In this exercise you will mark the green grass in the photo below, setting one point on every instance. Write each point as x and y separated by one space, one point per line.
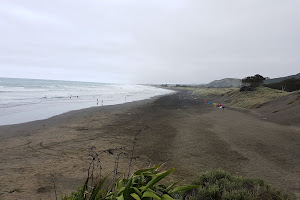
221 185
208 91
254 99
237 99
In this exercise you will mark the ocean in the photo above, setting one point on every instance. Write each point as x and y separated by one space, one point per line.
25 100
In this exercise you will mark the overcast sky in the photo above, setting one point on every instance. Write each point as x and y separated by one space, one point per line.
155 41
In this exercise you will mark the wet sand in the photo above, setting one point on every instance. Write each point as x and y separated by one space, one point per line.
183 133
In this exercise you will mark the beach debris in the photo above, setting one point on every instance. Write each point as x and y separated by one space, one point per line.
110 151
14 190
217 105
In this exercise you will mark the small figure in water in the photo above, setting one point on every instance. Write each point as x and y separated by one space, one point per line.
102 103
125 99
97 102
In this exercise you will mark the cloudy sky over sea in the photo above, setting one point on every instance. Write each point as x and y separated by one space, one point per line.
155 41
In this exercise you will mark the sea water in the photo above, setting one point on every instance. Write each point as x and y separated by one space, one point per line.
24 100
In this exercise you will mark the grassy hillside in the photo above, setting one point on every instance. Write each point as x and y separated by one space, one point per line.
253 99
289 85
209 91
232 97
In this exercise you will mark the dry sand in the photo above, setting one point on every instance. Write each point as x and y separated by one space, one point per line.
185 133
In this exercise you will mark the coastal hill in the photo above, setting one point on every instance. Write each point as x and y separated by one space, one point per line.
234 82
276 80
226 82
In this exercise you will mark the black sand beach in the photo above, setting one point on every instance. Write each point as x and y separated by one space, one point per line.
183 133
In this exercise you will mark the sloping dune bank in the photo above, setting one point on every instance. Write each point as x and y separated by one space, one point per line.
178 130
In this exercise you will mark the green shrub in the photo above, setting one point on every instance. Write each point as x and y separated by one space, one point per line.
288 85
142 185
221 185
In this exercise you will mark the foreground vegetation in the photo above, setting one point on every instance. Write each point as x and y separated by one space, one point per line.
224 186
143 184
146 184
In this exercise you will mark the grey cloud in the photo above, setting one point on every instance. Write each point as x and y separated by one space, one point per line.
149 41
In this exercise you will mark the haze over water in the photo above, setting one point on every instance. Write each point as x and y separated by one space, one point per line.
24 100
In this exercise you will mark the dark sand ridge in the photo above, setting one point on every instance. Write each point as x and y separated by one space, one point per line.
186 134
